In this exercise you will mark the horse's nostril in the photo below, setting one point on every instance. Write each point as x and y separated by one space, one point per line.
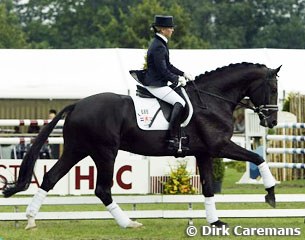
274 123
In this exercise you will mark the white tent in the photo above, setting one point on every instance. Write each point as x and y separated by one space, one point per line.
77 73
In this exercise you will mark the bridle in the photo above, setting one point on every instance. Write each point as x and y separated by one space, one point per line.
264 111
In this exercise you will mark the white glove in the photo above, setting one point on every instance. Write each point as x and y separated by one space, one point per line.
182 81
188 76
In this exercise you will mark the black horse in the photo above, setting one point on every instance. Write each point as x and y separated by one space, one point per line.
100 125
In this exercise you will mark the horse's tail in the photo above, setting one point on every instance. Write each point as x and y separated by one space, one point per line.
29 160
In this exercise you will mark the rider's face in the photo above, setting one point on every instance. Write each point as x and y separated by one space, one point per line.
167 32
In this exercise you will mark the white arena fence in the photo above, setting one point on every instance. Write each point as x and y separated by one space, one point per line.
28 140
283 150
256 135
189 212
287 138
27 122
254 130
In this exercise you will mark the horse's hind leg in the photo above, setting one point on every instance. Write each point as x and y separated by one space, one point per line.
104 159
205 167
61 168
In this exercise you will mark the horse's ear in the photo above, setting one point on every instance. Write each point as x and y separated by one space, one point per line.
275 71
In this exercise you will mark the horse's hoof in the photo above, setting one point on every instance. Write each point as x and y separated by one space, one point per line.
219 224
31 224
134 224
270 199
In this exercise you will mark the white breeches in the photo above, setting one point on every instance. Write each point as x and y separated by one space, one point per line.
166 94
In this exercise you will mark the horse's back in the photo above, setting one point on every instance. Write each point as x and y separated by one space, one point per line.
100 114
100 105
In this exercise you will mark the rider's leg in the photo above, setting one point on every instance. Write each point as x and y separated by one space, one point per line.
168 95
174 123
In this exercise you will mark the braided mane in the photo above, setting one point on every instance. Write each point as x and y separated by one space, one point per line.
228 67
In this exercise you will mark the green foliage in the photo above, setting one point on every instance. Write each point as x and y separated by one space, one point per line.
237 165
11 34
179 181
286 105
126 23
218 169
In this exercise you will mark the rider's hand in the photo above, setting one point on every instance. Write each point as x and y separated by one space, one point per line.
182 81
188 76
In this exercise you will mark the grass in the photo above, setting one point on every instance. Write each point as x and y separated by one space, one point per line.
161 228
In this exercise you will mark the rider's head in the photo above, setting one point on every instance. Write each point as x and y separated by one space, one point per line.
164 25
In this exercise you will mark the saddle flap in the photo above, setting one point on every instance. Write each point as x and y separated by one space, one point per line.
143 92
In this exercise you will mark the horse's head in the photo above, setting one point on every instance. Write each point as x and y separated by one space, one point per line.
264 96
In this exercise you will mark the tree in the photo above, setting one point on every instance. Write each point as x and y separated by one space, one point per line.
11 34
250 24
284 27
139 19
126 23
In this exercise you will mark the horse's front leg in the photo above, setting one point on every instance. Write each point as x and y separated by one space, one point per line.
205 166
233 151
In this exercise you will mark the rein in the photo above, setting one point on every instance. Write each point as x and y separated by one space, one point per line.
259 110
221 98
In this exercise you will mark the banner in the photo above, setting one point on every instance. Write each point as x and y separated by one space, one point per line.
131 175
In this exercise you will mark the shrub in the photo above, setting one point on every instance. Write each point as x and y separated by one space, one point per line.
179 181
218 169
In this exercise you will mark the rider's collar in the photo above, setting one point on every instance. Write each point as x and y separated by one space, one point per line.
162 36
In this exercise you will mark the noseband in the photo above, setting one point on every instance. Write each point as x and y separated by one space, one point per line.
266 110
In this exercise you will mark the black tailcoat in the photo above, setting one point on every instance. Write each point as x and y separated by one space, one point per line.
159 69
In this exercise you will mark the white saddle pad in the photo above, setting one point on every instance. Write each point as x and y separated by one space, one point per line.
146 110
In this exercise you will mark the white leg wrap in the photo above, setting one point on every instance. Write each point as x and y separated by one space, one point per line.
120 217
210 209
268 179
37 200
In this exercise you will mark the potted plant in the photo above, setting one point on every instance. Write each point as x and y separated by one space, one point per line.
179 181
218 174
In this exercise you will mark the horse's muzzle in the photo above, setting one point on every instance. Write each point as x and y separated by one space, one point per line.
268 118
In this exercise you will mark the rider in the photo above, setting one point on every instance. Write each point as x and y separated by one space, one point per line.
160 71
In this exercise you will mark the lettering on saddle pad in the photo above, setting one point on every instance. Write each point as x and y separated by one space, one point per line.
148 114
153 114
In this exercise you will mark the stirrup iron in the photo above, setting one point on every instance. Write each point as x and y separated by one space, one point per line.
180 144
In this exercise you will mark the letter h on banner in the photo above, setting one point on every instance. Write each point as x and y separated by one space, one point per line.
79 177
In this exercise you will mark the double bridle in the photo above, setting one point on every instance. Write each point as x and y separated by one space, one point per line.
264 111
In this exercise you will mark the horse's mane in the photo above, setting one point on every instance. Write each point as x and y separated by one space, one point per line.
228 67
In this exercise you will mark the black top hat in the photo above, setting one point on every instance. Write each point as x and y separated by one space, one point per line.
163 21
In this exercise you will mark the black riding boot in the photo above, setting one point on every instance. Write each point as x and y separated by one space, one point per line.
174 126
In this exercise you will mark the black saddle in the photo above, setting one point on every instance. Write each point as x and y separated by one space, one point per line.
166 108
143 92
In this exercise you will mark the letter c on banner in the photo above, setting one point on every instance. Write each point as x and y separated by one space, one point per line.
3 179
119 177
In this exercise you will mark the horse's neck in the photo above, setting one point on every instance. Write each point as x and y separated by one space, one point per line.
230 89
231 85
